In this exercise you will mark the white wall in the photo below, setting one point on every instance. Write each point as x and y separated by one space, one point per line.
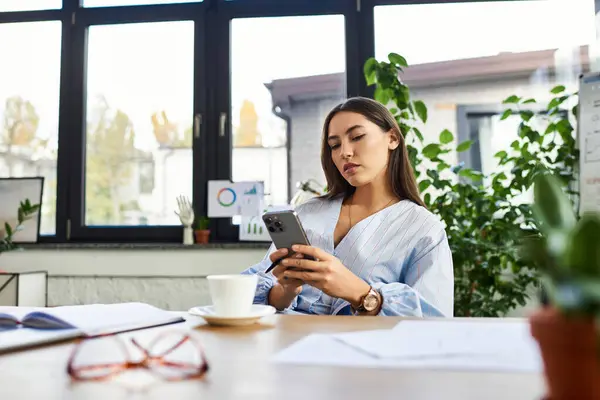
171 279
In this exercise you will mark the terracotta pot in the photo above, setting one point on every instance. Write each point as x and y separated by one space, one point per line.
570 353
202 236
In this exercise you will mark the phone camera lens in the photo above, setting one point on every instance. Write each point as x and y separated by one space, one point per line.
271 229
278 224
268 220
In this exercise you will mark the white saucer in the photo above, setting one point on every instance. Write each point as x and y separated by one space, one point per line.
257 312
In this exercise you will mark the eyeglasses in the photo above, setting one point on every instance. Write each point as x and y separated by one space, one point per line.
173 356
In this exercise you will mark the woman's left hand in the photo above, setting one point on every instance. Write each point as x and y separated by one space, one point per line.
326 273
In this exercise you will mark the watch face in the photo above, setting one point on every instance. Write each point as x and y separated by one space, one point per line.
371 302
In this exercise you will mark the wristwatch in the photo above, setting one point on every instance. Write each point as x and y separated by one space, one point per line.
369 302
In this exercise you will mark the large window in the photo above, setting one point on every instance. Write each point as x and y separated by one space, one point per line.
125 105
29 94
287 73
139 120
468 54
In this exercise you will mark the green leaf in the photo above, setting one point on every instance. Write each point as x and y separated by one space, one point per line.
511 99
442 166
583 252
558 89
507 113
421 110
427 198
431 150
501 154
398 59
470 173
554 211
526 115
370 71
381 95
423 185
466 145
7 229
418 134
528 101
446 136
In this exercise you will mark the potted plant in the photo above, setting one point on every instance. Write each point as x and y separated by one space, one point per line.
566 328
201 230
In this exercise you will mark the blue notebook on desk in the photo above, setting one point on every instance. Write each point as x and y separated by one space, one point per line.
27 326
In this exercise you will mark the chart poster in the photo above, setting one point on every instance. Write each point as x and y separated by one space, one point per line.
229 199
589 142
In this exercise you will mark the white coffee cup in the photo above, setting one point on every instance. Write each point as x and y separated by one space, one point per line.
232 295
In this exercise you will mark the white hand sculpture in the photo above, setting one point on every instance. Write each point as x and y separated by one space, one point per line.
186 216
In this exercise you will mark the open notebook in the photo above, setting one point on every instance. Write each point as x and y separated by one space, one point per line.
26 326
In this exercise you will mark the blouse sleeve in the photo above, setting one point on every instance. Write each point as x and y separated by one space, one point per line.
428 283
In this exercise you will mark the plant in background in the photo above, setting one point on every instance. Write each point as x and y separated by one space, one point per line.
25 212
483 216
202 223
201 229
568 253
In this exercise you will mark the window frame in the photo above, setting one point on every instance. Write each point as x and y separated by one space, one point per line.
76 230
211 152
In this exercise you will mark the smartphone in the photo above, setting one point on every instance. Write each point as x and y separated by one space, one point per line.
285 230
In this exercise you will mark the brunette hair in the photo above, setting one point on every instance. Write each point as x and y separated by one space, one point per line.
399 171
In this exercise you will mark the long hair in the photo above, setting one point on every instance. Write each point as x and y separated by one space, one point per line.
400 172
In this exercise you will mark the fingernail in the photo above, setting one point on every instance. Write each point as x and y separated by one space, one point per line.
284 251
295 247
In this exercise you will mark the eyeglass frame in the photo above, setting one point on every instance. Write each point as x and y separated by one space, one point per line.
145 363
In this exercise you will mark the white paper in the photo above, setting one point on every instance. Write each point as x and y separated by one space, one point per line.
588 129
493 347
430 338
228 199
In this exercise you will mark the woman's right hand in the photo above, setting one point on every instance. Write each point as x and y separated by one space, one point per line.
282 294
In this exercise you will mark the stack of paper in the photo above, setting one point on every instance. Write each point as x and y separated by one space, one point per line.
497 346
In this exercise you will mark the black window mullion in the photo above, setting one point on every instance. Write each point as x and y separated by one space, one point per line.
364 40
30 16
75 132
65 148
200 152
224 230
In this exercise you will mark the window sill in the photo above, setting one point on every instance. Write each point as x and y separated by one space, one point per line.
144 246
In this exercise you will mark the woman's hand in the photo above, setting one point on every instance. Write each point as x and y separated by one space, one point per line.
286 290
326 273
289 285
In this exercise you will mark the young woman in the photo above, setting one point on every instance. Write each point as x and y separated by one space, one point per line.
378 250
